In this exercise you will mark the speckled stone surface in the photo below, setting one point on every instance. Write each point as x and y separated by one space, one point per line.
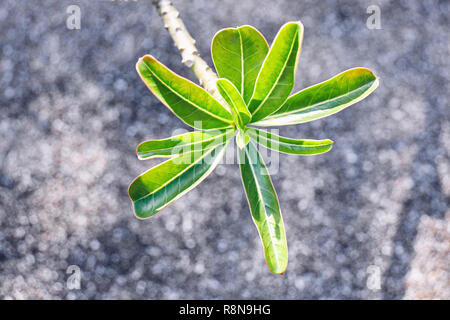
368 220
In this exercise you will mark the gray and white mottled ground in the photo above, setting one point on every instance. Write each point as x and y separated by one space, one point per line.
373 211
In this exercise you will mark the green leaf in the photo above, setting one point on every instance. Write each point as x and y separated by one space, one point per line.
163 184
276 79
265 208
238 54
324 99
286 145
242 139
231 95
192 104
177 145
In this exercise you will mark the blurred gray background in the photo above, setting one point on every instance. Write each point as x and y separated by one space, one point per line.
368 220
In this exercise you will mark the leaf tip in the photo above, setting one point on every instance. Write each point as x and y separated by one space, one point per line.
130 189
138 214
147 57
362 70
279 269
137 150
298 23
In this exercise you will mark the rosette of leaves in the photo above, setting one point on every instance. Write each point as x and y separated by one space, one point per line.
256 83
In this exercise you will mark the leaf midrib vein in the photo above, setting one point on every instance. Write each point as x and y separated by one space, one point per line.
279 115
260 200
280 142
278 77
180 173
186 99
186 144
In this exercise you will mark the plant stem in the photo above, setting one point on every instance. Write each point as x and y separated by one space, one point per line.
186 44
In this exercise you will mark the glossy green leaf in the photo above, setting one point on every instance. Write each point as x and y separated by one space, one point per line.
242 139
276 79
287 145
183 143
324 99
238 54
192 104
163 184
231 95
264 207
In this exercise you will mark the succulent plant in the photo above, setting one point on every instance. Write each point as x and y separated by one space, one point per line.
256 84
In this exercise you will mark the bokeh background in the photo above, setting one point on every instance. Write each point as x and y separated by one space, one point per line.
374 210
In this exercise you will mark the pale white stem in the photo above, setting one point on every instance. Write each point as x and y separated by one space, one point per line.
186 45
